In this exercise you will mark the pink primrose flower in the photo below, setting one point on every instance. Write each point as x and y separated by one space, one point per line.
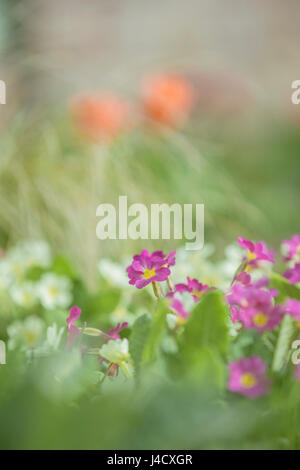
293 274
256 251
291 248
247 376
146 268
113 333
194 287
73 331
292 307
254 307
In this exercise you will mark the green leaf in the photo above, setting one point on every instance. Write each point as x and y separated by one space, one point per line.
285 288
242 344
103 302
206 326
205 336
210 367
281 353
63 267
139 334
35 273
156 332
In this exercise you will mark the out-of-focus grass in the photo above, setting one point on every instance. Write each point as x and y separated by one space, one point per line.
51 184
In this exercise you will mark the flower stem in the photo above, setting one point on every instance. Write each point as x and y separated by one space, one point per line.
242 267
170 284
155 289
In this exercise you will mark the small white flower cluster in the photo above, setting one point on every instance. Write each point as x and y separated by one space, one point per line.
50 290
54 291
216 274
25 334
117 352
28 335
115 275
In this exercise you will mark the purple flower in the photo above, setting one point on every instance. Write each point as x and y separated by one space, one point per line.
243 278
179 309
113 333
246 280
146 268
73 331
247 376
291 248
293 274
256 251
254 307
249 296
194 287
234 314
292 307
184 296
261 320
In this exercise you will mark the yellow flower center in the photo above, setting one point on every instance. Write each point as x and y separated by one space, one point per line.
180 320
244 303
197 294
53 291
30 336
248 380
27 298
16 268
298 250
148 273
251 256
249 268
260 319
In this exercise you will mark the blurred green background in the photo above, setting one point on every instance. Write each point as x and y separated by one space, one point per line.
238 153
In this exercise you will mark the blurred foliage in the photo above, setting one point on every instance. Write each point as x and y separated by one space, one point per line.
51 184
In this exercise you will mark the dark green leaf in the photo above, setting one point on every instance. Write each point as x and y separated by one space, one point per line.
156 332
139 334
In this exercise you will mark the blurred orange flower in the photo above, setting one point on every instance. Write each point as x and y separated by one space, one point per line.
100 117
167 99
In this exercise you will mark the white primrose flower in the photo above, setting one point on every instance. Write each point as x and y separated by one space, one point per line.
195 265
114 273
24 294
25 334
32 253
22 257
120 315
233 257
54 336
17 267
233 328
54 291
117 352
53 339
171 320
6 277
